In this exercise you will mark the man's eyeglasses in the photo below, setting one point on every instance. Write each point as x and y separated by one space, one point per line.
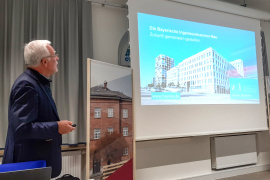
52 56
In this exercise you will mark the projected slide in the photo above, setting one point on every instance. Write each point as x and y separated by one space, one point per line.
183 62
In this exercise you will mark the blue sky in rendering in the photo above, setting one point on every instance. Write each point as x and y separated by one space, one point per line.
230 43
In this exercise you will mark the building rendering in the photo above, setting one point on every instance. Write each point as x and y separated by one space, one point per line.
173 77
239 65
206 72
163 64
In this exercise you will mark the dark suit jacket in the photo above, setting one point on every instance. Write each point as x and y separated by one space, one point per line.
33 129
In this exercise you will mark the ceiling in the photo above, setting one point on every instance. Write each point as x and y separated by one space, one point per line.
263 5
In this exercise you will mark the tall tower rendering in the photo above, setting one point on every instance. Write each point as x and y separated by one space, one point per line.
163 64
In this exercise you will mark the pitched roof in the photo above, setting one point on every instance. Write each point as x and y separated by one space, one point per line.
100 92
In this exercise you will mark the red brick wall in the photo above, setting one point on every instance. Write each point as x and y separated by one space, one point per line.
129 140
115 122
127 122
104 122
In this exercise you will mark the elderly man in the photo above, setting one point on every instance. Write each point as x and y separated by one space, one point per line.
35 131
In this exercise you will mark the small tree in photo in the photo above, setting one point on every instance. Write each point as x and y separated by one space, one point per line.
111 147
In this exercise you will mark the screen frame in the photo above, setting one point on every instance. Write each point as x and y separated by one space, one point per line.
149 127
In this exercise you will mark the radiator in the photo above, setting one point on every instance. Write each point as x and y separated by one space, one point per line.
71 164
233 151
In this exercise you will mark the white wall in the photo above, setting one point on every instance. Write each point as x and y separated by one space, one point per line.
109 26
172 158
190 158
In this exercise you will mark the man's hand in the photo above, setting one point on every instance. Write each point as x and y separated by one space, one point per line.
64 127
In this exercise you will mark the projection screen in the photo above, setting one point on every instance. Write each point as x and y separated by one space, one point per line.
196 71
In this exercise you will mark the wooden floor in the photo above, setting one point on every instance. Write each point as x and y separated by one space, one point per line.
263 175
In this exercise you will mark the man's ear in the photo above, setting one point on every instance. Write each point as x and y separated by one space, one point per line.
44 62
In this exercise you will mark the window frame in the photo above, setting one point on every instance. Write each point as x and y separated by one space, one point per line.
110 113
125 153
109 131
125 131
97 133
125 113
97 114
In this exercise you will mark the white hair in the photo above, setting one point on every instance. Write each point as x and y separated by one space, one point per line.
34 51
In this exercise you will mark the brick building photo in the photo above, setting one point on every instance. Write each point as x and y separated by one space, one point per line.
111 127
